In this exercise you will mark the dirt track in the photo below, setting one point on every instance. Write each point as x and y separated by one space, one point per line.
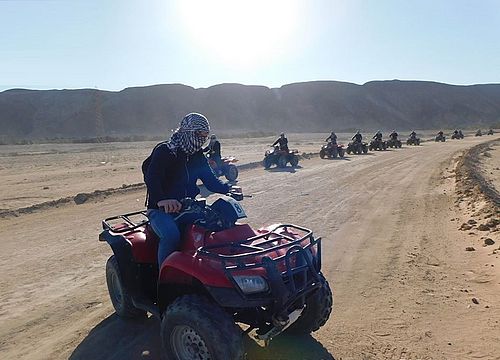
392 251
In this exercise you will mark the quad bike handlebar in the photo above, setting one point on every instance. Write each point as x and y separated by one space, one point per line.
193 211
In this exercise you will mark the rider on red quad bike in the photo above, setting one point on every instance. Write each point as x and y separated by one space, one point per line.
171 174
222 273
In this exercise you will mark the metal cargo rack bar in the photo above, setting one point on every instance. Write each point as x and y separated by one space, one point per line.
106 225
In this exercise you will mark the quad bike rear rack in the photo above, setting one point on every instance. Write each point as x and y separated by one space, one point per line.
109 224
285 287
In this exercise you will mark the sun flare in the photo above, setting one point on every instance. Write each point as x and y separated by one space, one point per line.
240 33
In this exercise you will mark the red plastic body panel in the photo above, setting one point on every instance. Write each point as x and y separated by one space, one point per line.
144 243
184 265
181 267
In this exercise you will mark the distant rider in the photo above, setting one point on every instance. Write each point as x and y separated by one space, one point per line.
283 142
413 135
332 138
378 136
460 133
171 175
357 137
213 151
394 135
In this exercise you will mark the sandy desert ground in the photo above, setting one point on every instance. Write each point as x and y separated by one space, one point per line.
393 251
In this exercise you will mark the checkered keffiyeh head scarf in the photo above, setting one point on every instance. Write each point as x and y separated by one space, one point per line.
186 137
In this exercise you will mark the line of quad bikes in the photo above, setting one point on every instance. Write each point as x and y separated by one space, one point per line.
280 158
224 275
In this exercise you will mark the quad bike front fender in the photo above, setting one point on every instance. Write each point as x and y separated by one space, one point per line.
181 268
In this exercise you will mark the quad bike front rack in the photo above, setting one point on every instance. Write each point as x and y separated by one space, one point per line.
300 264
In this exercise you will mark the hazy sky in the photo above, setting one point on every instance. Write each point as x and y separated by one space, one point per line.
120 43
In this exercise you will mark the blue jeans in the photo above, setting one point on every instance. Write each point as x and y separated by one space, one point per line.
166 229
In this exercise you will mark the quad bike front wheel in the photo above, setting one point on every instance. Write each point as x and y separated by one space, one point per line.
317 310
193 327
341 152
267 162
294 161
231 173
122 301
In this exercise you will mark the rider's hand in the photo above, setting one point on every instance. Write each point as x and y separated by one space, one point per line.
236 189
170 205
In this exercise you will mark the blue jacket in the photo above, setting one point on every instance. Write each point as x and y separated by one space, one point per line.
173 175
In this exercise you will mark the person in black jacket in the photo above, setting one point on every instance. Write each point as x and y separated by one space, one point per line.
171 175
357 137
332 138
213 151
394 135
282 141
378 136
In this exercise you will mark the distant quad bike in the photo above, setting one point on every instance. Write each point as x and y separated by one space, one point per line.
228 169
223 273
331 150
394 143
377 145
457 136
479 133
440 137
490 132
280 158
357 148
413 141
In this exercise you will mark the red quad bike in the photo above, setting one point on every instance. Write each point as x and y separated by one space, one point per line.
280 158
223 273
228 168
331 150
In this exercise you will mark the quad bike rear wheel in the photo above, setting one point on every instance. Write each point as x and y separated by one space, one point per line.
122 301
322 154
294 161
193 327
231 172
282 160
365 149
317 310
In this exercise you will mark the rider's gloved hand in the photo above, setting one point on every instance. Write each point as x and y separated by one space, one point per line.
236 192
169 205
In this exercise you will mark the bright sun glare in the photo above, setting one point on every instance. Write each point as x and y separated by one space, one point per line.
240 33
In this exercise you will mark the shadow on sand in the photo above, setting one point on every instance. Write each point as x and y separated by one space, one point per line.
288 169
118 339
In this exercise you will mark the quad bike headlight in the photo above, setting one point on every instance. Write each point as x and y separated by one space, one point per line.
251 284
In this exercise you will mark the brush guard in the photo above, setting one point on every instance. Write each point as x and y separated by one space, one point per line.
291 276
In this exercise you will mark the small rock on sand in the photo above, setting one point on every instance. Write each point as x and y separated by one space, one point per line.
80 198
465 226
489 241
483 227
470 248
475 301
